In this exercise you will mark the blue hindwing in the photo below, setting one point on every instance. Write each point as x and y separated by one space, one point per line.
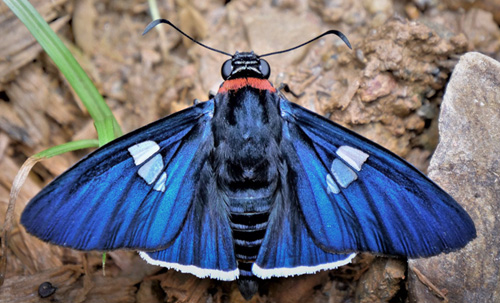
357 196
288 248
204 246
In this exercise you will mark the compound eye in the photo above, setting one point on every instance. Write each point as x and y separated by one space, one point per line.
227 69
264 68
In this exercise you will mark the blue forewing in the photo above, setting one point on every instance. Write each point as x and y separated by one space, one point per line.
358 196
134 192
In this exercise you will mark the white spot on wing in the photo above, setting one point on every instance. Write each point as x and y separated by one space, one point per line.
194 270
142 151
264 273
331 185
160 184
343 174
354 157
151 169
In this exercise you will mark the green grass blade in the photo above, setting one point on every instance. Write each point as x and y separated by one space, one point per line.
66 147
105 123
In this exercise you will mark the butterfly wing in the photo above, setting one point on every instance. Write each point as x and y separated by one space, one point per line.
201 257
357 196
134 192
204 246
288 248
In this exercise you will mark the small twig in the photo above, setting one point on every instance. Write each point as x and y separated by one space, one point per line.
423 279
19 180
155 14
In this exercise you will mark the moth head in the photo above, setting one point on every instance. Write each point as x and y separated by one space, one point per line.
243 65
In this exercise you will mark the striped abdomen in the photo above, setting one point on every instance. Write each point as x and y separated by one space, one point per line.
249 219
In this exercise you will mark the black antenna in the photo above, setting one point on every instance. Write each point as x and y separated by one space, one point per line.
158 21
330 32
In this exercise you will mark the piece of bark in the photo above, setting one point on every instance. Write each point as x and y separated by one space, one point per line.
184 287
297 289
25 289
18 46
24 117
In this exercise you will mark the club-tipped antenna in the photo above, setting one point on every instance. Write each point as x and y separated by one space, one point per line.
158 21
330 32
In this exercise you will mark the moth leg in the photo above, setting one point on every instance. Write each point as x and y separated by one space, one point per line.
211 94
285 87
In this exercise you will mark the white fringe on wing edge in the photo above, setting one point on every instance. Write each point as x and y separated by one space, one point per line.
264 273
191 269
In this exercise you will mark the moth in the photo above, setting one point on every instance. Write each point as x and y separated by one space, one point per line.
247 186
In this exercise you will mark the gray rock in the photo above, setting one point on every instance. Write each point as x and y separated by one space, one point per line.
467 165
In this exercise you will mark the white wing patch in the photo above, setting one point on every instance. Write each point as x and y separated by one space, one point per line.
151 169
146 156
160 184
331 185
354 157
264 273
142 151
194 270
343 174
344 168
